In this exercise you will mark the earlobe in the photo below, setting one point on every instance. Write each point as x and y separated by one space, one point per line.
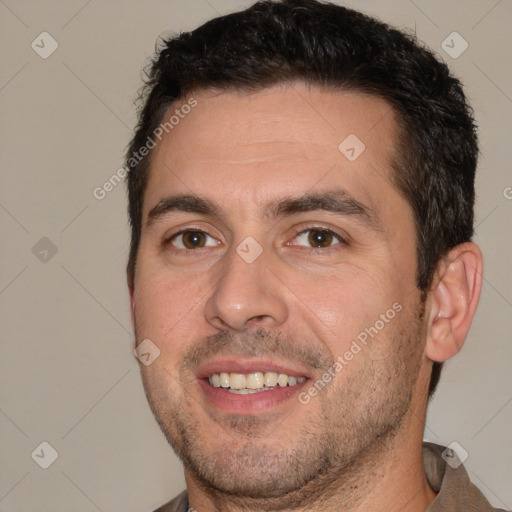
454 299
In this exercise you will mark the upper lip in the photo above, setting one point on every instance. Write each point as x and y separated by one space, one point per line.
248 365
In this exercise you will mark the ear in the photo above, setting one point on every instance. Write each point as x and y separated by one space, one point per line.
454 298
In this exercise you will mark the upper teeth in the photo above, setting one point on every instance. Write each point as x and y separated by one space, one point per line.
256 380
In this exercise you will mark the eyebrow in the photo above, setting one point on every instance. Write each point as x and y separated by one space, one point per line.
335 201
183 203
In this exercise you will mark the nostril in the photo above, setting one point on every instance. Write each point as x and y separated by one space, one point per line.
258 318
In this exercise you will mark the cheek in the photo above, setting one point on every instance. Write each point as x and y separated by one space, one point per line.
341 305
167 307
343 298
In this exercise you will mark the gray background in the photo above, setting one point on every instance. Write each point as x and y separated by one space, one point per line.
68 376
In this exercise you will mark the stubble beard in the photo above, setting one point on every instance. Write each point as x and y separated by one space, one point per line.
340 445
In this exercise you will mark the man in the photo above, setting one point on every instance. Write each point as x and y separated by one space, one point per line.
301 195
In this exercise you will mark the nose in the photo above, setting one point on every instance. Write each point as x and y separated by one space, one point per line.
246 295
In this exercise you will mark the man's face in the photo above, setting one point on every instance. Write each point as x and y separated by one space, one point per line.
296 250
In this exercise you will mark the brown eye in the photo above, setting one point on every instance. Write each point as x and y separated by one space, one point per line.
192 239
320 239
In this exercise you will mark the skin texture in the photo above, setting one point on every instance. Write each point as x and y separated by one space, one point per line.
356 445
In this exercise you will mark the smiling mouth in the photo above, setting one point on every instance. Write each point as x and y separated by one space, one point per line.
256 382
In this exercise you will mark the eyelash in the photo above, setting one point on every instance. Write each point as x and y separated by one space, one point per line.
168 241
340 240
338 237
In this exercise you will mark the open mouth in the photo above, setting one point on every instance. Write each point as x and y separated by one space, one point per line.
255 382
249 386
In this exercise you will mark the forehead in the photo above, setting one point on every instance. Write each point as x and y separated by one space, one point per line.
249 147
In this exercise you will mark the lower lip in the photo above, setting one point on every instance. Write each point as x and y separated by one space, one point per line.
251 403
